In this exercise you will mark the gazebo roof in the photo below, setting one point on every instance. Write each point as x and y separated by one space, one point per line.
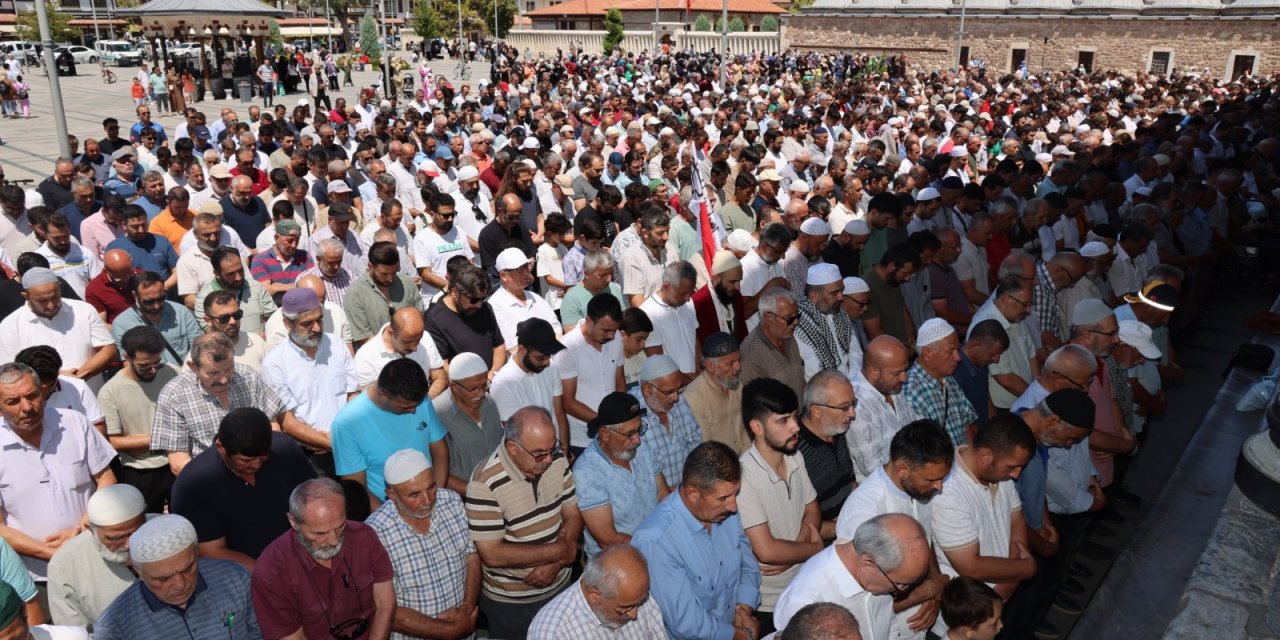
203 7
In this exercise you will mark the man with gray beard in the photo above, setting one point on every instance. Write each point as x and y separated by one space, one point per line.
825 334
827 410
91 569
312 373
715 396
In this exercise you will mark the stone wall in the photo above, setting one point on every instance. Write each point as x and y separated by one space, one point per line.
1123 43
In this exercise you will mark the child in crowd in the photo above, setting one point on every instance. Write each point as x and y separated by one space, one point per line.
23 92
636 327
139 93
971 610
550 259
590 233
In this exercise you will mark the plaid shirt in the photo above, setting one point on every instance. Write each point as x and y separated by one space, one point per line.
1044 303
268 269
334 290
187 416
431 569
944 402
670 447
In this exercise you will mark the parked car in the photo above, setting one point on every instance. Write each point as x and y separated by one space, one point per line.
118 53
82 55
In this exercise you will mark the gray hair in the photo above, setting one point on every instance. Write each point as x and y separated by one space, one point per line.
769 299
597 260
1069 354
514 428
329 245
312 490
298 183
12 372
874 539
817 391
1011 266
679 271
604 576
1003 205
152 176
385 180
1141 212
81 181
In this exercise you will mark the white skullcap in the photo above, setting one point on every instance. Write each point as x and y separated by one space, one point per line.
857 227
821 274
37 276
959 152
667 131
403 465
799 186
854 285
115 504
724 261
815 227
161 538
468 173
1089 312
1044 157
1094 249
740 240
933 330
928 193
33 198
466 364
657 366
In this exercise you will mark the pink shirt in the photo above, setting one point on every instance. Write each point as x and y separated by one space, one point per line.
96 233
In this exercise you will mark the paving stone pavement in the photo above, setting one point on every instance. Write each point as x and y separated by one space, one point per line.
29 145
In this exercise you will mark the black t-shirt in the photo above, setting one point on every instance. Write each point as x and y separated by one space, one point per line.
55 195
248 222
221 505
493 239
454 334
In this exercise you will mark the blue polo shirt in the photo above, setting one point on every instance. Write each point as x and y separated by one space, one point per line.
153 253
973 382
364 436
631 493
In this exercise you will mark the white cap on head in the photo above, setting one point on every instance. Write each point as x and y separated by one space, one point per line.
115 504
468 173
32 198
854 285
1094 249
857 227
1138 336
161 538
657 366
740 240
821 274
798 186
465 365
510 258
403 466
959 152
815 227
933 330
928 193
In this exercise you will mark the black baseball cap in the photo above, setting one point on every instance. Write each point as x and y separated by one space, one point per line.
616 408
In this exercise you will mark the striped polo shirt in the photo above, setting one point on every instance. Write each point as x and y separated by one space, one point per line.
504 505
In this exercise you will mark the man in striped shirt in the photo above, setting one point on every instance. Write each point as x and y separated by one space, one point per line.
525 523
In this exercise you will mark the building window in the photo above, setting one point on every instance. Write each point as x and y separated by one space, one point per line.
568 25
964 57
1084 60
529 6
1160 62
1016 58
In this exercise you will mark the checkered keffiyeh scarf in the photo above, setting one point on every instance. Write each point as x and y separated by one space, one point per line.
831 349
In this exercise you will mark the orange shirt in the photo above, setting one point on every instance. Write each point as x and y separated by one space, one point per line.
164 224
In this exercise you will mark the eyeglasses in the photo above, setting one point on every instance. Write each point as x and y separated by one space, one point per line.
1109 334
790 320
483 386
445 216
228 317
861 303
634 434
1077 385
898 589
549 454
842 408
663 392
1025 305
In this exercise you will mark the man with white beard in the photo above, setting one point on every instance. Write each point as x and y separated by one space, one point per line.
91 569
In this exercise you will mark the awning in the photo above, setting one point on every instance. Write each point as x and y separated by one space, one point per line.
307 32
214 8
101 22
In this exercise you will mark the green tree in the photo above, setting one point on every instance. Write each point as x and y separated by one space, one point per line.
736 25
506 15
612 30
28 27
273 35
341 11
703 23
370 40
769 23
429 21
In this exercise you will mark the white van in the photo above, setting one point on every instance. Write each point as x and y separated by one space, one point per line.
118 53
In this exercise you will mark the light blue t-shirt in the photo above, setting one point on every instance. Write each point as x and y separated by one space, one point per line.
15 573
364 436
632 493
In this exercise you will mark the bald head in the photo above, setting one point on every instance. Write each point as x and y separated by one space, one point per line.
407 321
511 203
618 569
1072 361
118 262
1066 268
885 352
314 283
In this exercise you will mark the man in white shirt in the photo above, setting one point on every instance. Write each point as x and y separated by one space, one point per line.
590 366
976 521
513 303
73 327
66 258
972 268
882 409
436 243
401 338
920 457
529 378
762 268
826 336
675 323
858 574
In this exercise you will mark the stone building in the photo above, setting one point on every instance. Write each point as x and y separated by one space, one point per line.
1222 37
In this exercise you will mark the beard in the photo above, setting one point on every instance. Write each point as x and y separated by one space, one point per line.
786 447
206 247
530 366
305 341
323 551
421 514
921 497
118 557
726 298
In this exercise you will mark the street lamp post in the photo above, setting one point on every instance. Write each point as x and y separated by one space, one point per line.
724 45
960 36
55 86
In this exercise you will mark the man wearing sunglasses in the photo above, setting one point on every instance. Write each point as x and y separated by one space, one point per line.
436 243
920 458
770 350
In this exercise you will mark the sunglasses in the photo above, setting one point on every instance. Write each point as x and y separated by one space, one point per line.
228 317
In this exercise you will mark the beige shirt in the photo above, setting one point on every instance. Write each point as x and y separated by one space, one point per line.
720 416
778 503
82 584
129 407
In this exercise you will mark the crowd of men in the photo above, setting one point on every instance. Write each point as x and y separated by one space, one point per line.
819 354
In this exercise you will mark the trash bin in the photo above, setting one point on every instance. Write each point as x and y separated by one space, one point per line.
245 88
